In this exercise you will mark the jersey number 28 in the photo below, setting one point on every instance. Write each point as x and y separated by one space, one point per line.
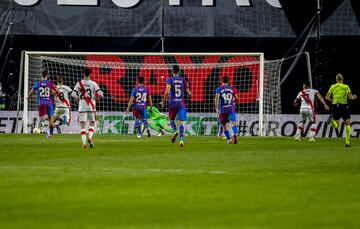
44 92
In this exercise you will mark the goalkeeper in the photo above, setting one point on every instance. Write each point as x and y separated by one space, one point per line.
157 121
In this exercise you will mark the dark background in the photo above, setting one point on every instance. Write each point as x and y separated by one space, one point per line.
337 54
333 44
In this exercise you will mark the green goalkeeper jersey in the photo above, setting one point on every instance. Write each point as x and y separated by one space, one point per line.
155 114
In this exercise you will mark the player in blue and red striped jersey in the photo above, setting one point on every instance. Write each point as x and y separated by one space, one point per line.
44 90
225 106
140 94
176 86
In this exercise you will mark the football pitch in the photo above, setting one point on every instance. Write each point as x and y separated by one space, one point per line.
150 183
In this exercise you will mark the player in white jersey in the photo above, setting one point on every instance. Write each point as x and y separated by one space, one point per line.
307 109
85 91
62 102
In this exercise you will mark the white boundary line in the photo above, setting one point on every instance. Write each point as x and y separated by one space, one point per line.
151 170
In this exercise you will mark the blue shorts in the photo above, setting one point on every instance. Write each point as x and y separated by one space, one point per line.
179 113
46 109
225 118
140 114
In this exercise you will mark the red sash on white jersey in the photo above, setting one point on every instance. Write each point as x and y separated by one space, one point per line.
63 100
87 100
308 101
66 103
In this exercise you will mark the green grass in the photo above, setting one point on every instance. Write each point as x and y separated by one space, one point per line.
150 183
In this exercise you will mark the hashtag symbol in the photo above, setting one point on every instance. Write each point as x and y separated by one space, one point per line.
242 128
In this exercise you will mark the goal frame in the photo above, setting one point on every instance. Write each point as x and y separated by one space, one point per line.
24 76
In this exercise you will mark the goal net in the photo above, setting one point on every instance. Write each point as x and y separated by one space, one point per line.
255 81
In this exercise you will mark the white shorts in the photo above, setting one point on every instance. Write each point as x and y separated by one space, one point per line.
307 114
87 116
62 111
65 111
83 106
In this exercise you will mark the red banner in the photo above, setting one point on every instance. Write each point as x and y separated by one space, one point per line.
119 77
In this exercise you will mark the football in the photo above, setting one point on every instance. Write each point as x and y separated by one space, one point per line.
36 130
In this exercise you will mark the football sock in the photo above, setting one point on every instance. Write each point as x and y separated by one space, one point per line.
227 134
168 129
41 123
347 134
137 126
68 119
235 129
181 130
334 124
312 130
146 125
173 125
83 136
51 130
91 132
300 128
220 133
221 129
65 120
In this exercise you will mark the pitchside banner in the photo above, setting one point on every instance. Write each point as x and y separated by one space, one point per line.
197 124
144 18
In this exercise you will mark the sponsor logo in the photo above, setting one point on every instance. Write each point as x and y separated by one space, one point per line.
110 124
196 124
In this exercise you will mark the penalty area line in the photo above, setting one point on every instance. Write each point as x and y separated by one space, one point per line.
150 170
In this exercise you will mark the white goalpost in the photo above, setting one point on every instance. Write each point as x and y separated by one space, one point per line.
256 82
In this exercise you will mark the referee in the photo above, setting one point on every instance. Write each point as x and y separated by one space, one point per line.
338 95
